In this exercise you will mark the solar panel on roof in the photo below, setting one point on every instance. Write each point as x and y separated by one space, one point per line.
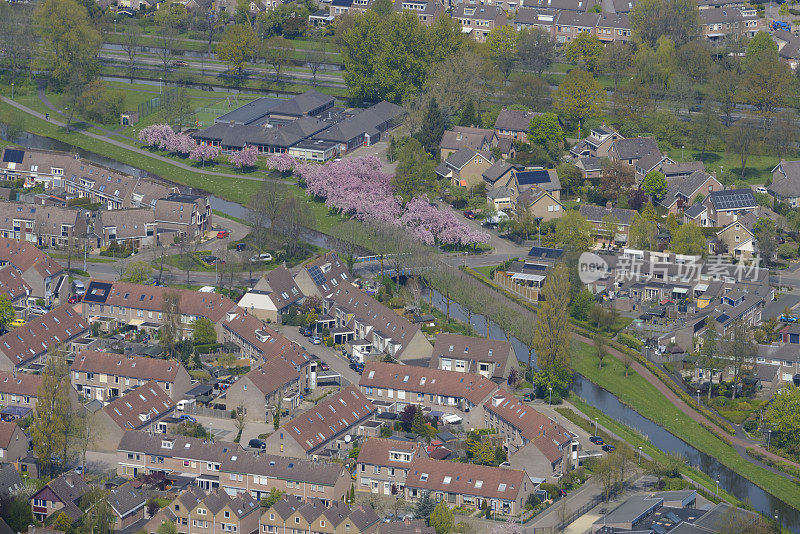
538 176
316 275
12 155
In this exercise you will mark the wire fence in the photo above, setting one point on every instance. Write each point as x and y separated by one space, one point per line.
156 103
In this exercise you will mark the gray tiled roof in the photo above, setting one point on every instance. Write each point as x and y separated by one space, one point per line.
497 170
514 120
635 147
125 499
595 214
786 179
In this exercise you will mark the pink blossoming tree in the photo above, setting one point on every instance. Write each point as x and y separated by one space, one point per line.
157 135
282 163
203 153
246 157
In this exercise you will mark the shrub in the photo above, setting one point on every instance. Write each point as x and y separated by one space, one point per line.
551 489
630 341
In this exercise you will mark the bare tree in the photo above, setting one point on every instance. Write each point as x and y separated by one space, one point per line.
315 57
169 334
160 261
131 41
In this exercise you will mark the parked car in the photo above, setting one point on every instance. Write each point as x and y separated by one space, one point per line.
184 403
761 189
16 323
78 287
261 257
257 444
241 246
211 260
305 331
469 214
324 366
222 234
597 440
37 309
607 447
74 299
316 340
189 418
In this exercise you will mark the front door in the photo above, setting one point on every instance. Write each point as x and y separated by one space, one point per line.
375 486
99 393
387 488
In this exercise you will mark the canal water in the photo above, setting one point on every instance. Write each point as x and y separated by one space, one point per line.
598 397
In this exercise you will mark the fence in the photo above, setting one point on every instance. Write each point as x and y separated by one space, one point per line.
156 103
504 281
194 409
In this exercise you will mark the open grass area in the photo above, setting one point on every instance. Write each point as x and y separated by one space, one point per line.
756 171
486 270
643 397
736 410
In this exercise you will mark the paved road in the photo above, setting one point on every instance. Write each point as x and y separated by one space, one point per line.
335 360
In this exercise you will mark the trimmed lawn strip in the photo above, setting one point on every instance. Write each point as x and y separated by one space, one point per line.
756 172
640 395
79 259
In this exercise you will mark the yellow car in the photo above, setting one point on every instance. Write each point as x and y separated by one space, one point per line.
16 322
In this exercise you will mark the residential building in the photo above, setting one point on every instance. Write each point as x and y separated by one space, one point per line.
738 21
533 440
105 376
470 485
499 175
14 286
42 274
427 10
215 512
477 20
785 184
128 504
545 179
465 167
382 465
19 391
185 215
651 162
312 515
369 327
134 228
738 238
590 166
118 303
324 430
613 27
49 226
29 344
501 198
14 443
273 295
61 494
277 383
513 124
406 526
683 192
600 217
322 275
436 389
530 18
526 277
466 137
540 204
788 47
597 144
633 149
142 408
570 24
491 358
726 206
10 481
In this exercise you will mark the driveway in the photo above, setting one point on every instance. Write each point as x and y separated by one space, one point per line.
337 362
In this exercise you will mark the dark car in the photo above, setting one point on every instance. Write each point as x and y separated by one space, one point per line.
188 418
241 246
305 331
607 447
257 444
597 440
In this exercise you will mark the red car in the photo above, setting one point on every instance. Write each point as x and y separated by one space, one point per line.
74 299
469 214
222 234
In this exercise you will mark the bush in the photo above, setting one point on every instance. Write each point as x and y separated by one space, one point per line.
630 341
551 489
787 251
532 501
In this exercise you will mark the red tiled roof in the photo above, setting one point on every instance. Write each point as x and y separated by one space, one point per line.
12 284
466 479
375 451
334 415
474 388
262 337
128 366
24 255
19 384
27 342
135 408
273 375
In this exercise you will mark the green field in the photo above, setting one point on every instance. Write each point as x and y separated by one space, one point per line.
643 397
757 170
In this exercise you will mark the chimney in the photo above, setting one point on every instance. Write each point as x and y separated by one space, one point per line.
609 205
232 123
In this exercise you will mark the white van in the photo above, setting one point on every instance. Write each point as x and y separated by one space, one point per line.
182 404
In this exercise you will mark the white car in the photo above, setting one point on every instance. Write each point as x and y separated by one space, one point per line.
261 257
37 309
762 190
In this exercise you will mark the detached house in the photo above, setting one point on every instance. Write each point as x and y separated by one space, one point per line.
128 504
325 429
104 376
14 443
738 237
599 216
513 124
633 149
273 295
682 192
61 494
321 276
726 206
544 179
491 358
540 204
465 167
597 144
369 327
786 182
466 137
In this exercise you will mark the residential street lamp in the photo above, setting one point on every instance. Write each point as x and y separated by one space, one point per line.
640 455
550 403
115 25
595 426
717 486
159 84
12 90
698 397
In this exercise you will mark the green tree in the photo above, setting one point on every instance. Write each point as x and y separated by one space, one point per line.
783 417
274 496
760 48
434 123
277 52
7 313
582 304
616 61
469 115
551 335
706 126
671 224
424 507
99 516
441 519
418 425
689 239
739 139
679 20
50 428
767 237
169 333
545 130
570 176
600 349
167 527
574 231
642 233
536 50
237 46
203 332
655 184
724 87
586 51
179 108
137 272
502 45
69 41
63 522
709 353
416 172
578 97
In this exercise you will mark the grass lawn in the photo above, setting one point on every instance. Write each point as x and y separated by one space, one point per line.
643 397
736 410
756 171
190 259
486 270
79 258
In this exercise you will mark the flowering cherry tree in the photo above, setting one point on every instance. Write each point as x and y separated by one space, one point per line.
157 135
246 157
430 224
181 143
281 163
203 153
